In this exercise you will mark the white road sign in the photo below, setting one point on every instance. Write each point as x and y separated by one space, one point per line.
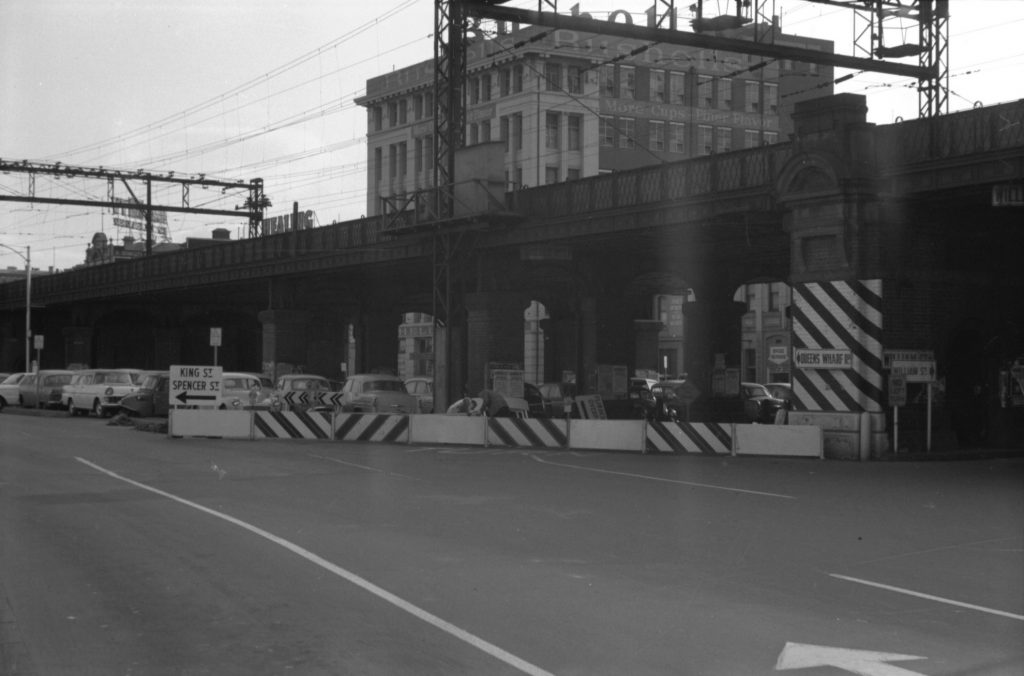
195 385
915 371
808 358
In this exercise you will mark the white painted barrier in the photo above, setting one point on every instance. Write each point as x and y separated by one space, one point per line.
610 435
790 440
447 429
199 422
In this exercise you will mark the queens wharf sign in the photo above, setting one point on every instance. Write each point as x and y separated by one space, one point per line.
807 358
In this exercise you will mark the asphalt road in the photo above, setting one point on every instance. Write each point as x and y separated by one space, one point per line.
125 552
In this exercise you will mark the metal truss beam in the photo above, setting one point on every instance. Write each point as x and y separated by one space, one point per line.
252 208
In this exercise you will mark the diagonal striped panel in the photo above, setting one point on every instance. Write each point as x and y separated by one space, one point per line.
292 424
372 427
683 437
844 315
527 432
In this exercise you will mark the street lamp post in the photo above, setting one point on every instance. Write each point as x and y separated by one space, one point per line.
27 257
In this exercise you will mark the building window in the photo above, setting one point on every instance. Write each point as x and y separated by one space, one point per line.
606 132
677 143
771 97
752 97
627 133
723 139
551 124
550 175
575 132
403 159
658 86
572 174
392 113
403 112
378 118
428 104
505 81
517 78
705 91
485 87
725 94
517 130
677 85
752 298
552 76
608 81
485 131
474 134
505 132
574 75
378 164
656 134
751 138
705 141
392 160
771 137
774 297
417 155
474 90
627 82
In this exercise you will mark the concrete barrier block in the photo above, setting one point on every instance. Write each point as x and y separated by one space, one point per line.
447 429
683 437
196 422
527 432
793 440
611 435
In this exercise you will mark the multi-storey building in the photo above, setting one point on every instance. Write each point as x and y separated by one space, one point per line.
567 105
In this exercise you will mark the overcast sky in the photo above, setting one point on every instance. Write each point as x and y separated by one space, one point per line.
239 89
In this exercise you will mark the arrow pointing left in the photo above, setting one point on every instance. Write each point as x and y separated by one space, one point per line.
863 662
185 397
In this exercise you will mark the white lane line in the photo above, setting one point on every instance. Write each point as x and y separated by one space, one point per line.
658 478
938 599
363 583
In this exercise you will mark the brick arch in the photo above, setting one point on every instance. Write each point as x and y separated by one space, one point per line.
811 173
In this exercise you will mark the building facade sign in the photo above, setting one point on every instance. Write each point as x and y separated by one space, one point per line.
276 224
131 217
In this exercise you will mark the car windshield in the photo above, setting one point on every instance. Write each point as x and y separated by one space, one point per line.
13 379
113 378
61 379
151 382
384 386
308 384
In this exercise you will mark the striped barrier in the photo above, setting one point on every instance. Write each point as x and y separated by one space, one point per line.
682 437
529 432
371 427
291 425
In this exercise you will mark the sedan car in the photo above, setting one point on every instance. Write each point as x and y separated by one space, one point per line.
422 387
241 390
43 389
298 391
100 390
9 389
151 399
377 393
760 406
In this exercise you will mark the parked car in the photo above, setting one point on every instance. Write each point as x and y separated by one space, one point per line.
152 397
782 391
43 389
760 406
553 396
9 389
241 390
422 387
377 393
670 402
289 390
534 400
100 390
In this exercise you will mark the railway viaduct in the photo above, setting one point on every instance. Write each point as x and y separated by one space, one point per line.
896 237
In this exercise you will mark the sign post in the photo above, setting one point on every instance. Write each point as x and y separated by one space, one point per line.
215 334
918 371
897 398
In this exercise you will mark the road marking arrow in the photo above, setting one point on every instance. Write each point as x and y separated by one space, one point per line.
863 662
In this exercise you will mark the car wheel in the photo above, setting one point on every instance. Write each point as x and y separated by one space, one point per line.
2 403
98 409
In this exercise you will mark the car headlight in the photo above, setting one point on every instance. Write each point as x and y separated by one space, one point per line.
109 391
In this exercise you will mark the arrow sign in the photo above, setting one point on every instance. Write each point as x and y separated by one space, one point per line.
185 397
863 662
